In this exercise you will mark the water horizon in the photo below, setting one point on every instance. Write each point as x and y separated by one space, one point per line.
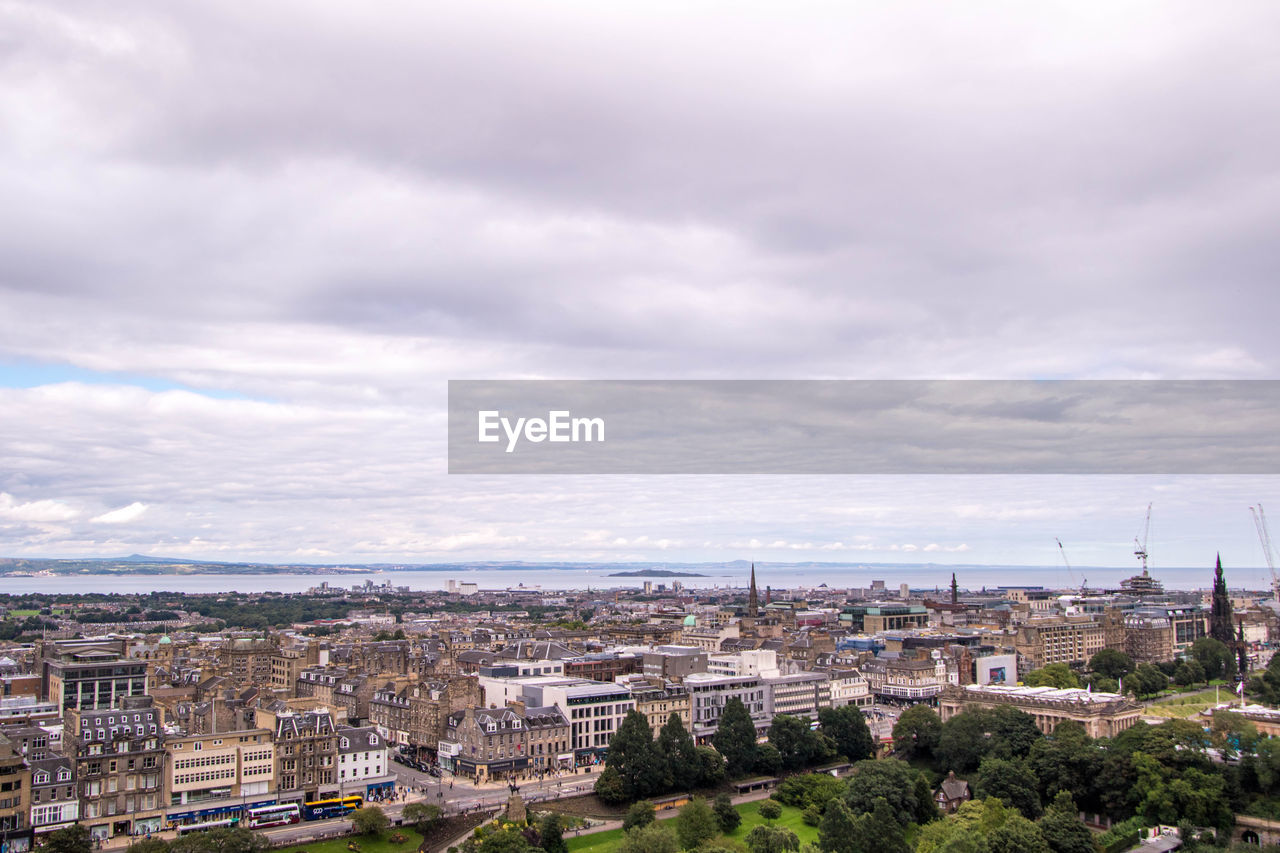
971 578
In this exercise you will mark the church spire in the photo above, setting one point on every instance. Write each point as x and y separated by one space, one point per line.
955 590
1220 610
753 597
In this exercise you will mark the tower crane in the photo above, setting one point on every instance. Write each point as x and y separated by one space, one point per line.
1264 536
1141 551
1070 571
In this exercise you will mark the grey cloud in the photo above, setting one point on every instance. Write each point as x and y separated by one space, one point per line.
333 212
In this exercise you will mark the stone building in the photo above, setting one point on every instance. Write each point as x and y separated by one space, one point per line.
430 705
547 739
1101 714
119 755
306 753
485 744
15 799
54 803
1069 640
204 768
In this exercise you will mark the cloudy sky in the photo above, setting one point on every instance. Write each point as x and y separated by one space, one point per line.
244 246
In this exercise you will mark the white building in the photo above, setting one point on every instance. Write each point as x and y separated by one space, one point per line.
594 709
801 694
762 662
708 694
849 687
363 762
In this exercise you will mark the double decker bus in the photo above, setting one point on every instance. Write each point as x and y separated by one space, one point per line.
189 828
333 807
274 815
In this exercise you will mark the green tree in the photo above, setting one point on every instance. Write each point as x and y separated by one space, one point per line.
70 839
926 808
1189 672
1017 835
676 749
226 840
735 739
609 788
1068 760
504 840
963 743
770 810
768 760
847 728
916 731
840 830
1012 782
727 817
889 779
369 820
882 830
1062 828
711 767
1216 658
654 838
797 744
809 789
149 845
695 824
552 834
1146 680
1013 732
771 839
640 814
423 816
633 754
1054 675
1112 663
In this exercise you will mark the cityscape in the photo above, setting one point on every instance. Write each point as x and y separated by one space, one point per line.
308 708
613 427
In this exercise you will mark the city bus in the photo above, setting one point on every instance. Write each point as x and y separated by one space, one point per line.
274 815
212 824
333 807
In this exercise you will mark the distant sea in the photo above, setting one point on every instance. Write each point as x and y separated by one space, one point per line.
926 577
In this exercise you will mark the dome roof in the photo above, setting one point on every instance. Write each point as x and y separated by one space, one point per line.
690 621
165 640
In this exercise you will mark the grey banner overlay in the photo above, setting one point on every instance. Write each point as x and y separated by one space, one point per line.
865 427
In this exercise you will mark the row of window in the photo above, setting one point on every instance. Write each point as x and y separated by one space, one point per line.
208 776
204 761
45 815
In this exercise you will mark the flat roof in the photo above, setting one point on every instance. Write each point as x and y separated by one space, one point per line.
1067 694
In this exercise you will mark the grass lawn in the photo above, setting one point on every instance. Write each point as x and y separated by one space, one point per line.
367 845
1185 706
605 842
23 614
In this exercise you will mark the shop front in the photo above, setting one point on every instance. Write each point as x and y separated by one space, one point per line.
590 757
380 790
15 840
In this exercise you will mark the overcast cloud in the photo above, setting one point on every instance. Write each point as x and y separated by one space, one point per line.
259 238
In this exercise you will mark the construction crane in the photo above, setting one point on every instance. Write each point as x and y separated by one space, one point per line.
1141 551
1070 571
1264 536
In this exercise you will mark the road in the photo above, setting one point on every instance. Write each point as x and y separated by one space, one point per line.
461 797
